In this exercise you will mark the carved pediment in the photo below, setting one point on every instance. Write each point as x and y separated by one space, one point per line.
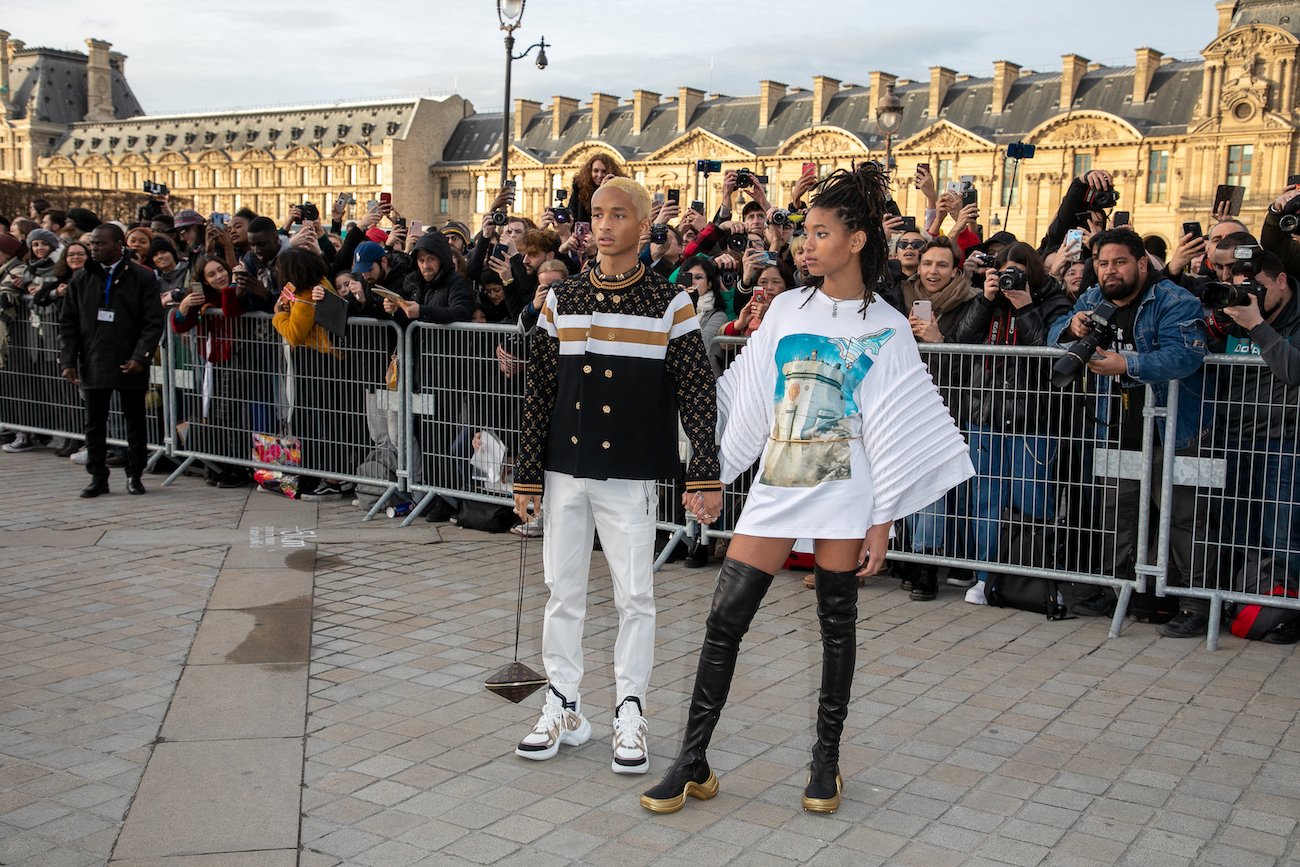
1083 128
1245 46
700 144
946 137
517 157
825 143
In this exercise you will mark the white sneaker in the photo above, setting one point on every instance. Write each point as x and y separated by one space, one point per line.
529 530
22 443
975 595
80 456
560 723
631 755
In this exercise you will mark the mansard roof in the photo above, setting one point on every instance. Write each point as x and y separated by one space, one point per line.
57 82
319 126
1033 100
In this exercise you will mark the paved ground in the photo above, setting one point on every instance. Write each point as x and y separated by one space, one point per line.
203 677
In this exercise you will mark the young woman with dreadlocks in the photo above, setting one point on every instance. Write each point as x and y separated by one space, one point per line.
831 393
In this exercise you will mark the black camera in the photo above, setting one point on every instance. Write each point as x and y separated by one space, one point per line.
1101 332
309 212
708 167
745 179
729 278
499 218
177 295
149 211
154 188
736 243
659 234
1290 220
782 217
1101 200
1216 295
561 213
1012 280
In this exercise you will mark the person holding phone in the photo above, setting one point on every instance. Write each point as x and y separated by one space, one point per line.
833 400
591 175
941 283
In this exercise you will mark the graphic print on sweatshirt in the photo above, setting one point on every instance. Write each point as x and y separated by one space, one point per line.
817 378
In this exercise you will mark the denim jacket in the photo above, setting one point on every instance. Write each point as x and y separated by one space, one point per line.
1171 342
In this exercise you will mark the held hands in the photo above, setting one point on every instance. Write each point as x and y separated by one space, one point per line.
523 502
893 225
705 506
131 368
1285 199
966 218
191 301
874 546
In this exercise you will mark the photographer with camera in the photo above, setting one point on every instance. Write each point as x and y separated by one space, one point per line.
1011 437
1134 309
1255 312
1281 226
1083 206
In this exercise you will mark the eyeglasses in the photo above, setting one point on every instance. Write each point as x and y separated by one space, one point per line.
911 245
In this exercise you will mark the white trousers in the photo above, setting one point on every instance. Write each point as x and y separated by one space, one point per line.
623 512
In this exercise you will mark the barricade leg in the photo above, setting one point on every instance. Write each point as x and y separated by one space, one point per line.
1215 621
179 471
1121 610
673 541
381 503
424 503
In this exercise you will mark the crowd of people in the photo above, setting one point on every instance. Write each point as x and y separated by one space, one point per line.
1143 314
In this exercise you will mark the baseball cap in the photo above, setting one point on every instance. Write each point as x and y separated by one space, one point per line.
368 253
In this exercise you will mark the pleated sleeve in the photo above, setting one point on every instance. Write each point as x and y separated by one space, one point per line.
914 449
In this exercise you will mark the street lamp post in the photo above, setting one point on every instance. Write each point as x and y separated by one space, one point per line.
511 15
889 117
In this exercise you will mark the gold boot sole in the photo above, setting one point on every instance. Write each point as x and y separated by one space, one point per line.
701 791
824 805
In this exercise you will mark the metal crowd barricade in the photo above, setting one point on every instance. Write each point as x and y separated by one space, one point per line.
466 398
242 397
36 399
1050 495
1241 492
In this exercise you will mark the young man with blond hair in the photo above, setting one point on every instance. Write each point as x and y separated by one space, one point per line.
617 355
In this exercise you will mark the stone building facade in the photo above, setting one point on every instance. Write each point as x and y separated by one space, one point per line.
1169 131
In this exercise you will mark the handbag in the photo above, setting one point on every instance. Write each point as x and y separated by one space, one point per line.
1036 543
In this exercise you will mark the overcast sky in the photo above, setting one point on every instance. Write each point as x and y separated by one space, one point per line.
194 56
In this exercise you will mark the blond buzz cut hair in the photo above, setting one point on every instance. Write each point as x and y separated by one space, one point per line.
640 195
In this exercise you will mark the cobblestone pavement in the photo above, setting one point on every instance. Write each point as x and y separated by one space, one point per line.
157 707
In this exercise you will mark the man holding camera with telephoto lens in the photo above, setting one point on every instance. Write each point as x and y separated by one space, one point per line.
1255 313
1133 309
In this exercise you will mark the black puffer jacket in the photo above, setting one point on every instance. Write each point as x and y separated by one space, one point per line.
449 296
1006 393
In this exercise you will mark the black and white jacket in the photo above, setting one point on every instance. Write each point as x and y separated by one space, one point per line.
611 365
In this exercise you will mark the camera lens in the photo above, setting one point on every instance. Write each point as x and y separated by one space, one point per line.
1289 223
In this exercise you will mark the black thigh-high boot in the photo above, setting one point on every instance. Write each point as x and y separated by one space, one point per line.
736 599
837 611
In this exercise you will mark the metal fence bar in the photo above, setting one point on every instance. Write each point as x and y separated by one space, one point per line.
242 398
35 399
452 421
466 392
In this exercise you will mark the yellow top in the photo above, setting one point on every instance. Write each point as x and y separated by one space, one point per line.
297 325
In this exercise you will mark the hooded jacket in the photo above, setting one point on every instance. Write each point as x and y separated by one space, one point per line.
449 296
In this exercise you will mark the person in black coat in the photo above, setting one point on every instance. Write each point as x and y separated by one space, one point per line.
111 323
